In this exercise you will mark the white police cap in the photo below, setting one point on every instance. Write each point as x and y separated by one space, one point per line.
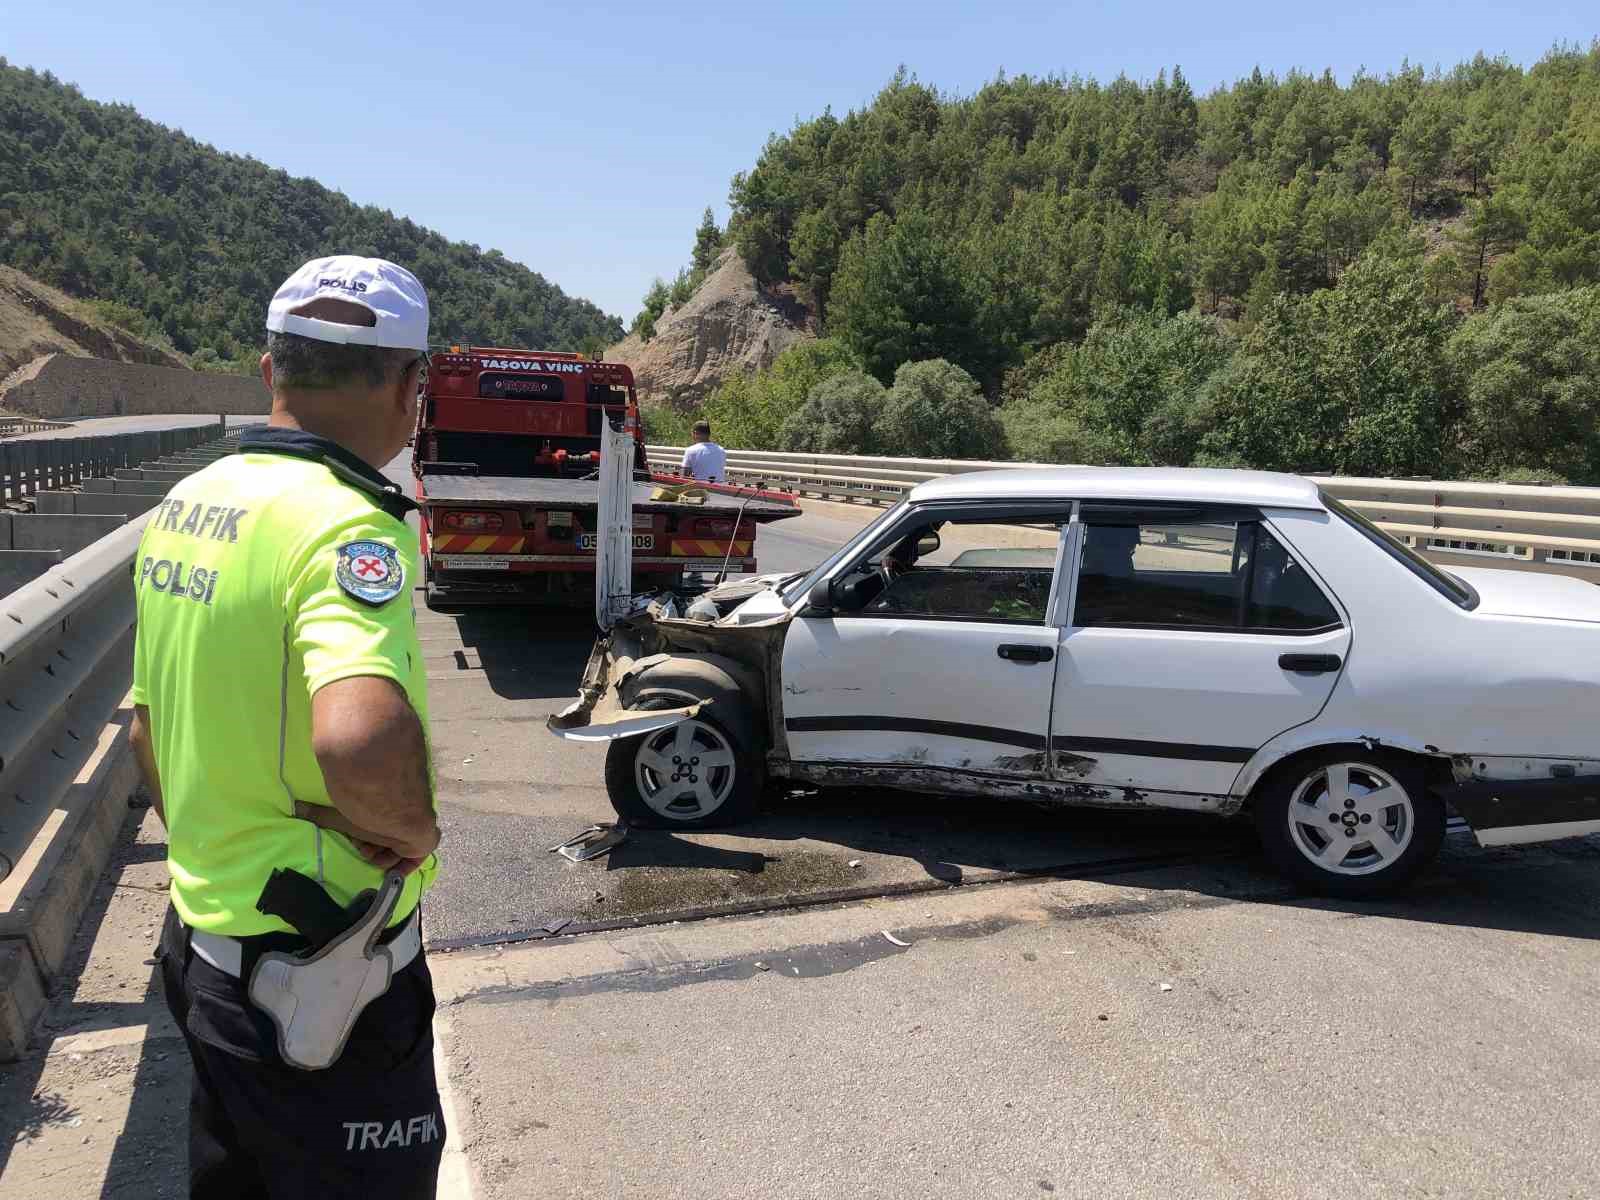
392 293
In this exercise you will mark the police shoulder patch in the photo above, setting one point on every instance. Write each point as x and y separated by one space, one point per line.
370 571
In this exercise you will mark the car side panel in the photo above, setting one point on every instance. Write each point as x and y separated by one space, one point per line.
917 693
1477 691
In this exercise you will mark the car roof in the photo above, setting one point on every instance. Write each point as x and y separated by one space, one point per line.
1264 489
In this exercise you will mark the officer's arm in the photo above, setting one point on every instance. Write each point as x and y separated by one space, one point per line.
145 752
374 759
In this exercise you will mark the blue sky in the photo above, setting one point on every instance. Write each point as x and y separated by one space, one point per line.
584 140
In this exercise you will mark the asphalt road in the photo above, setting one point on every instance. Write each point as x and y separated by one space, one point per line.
100 426
1167 1034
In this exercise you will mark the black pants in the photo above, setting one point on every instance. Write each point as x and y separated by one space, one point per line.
368 1126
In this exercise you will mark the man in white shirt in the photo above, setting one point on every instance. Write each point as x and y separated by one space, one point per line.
705 459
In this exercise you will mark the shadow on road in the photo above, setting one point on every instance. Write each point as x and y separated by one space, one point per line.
1553 890
150 1153
525 654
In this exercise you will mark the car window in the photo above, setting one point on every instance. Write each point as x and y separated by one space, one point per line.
1198 549
1223 575
980 571
803 585
1282 595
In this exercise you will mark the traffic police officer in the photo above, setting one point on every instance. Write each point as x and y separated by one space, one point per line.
280 721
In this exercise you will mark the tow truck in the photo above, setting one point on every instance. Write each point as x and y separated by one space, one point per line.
506 456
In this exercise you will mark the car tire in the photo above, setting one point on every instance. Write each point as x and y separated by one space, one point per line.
646 796
1349 821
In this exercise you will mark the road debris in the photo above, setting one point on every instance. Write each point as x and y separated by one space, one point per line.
592 842
894 939
1166 987
761 966
853 863
557 925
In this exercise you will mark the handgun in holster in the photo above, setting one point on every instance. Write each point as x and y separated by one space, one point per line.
315 996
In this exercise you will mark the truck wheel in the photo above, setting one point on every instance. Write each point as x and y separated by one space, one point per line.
704 773
1349 821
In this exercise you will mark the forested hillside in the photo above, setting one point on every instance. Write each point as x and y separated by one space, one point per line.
1394 274
175 238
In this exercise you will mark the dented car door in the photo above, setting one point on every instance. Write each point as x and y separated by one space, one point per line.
941 661
1194 638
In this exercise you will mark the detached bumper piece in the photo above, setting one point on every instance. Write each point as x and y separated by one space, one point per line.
1512 812
592 842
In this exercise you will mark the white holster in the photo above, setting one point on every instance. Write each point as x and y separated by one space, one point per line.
314 1002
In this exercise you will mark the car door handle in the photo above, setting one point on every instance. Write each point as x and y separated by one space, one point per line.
1026 654
1310 664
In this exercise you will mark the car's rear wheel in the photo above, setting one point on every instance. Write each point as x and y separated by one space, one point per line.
702 773
1349 822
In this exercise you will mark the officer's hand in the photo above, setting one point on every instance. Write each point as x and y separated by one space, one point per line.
383 857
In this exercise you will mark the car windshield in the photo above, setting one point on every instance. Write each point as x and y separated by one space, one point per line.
809 579
1455 590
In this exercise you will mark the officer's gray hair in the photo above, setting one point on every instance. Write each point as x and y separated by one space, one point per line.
302 364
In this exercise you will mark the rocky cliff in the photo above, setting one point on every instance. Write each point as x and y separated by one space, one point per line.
37 320
730 325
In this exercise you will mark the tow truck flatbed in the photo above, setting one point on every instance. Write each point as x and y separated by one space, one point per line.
581 495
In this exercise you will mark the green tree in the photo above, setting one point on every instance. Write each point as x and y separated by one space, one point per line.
655 303
707 243
1493 224
1422 144
1529 372
839 416
1130 394
747 412
1351 380
901 295
937 410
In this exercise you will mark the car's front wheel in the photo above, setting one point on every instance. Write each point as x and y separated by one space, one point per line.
1349 822
702 773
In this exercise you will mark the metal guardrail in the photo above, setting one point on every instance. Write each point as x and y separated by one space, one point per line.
12 426
27 468
1519 526
66 662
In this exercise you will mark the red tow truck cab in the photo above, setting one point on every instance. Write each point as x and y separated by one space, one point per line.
505 453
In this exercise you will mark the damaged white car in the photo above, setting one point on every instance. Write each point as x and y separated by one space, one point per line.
1221 641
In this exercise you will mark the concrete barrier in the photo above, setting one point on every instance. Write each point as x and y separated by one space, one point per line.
69 532
49 888
19 567
99 502
63 503
22 999
126 487
54 502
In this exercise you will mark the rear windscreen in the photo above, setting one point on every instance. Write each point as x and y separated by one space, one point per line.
494 384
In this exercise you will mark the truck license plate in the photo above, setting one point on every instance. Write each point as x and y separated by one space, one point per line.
641 541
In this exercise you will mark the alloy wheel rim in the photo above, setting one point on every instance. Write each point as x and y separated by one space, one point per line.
685 772
1351 818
